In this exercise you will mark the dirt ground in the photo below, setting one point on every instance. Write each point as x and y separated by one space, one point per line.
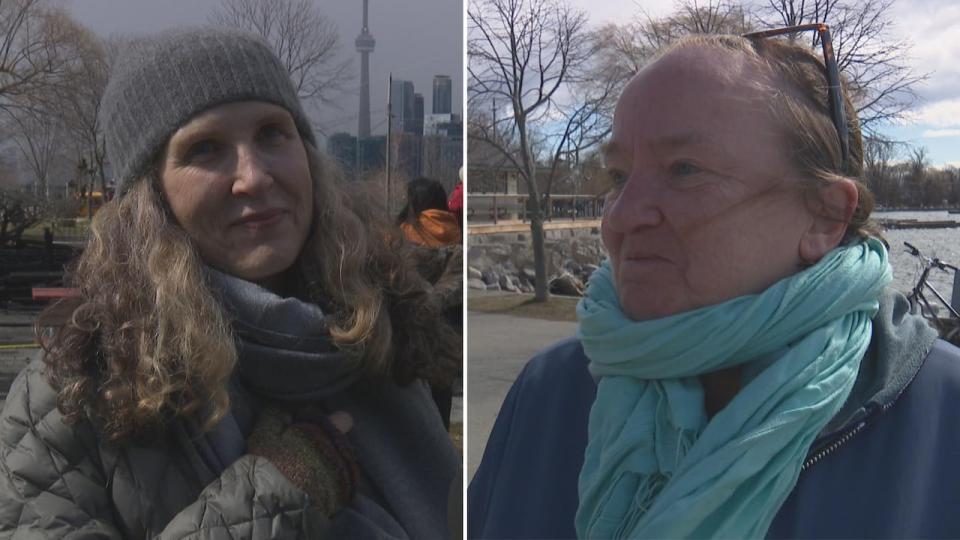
558 308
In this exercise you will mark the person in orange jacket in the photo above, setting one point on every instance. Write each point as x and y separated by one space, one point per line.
425 219
455 202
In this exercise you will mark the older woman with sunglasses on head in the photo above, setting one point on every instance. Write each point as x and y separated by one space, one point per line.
248 353
742 368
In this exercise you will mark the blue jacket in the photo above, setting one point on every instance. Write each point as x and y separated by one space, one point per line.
886 466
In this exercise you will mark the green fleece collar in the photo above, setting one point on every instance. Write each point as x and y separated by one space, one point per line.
901 342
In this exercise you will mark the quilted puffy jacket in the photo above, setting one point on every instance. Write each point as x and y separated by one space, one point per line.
60 481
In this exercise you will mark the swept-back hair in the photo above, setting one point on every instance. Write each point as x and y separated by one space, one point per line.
147 340
799 101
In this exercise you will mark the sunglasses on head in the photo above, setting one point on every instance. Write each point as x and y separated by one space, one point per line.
837 111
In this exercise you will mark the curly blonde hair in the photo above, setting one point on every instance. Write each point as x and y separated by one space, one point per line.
147 340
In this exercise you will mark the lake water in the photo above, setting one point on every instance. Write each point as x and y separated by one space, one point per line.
942 243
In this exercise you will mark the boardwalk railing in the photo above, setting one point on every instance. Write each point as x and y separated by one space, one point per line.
494 208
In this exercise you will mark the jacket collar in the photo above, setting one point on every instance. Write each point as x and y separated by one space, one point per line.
900 343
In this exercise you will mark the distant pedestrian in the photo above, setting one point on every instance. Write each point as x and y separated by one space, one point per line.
426 222
425 219
455 202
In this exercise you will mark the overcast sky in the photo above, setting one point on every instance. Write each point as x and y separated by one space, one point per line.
933 26
416 39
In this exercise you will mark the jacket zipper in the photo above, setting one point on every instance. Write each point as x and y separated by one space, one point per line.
832 447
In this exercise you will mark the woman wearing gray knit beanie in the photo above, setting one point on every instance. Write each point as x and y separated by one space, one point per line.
250 352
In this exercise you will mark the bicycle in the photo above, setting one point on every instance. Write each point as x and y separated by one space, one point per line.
949 326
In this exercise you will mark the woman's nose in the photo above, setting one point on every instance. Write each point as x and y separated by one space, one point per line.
252 176
634 206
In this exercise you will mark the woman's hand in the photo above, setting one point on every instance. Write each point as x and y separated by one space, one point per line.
311 450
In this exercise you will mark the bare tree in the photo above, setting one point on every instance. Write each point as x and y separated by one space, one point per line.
8 177
39 136
527 55
31 52
953 176
74 101
442 157
919 163
306 41
878 157
878 154
873 61
56 121
80 101
711 17
919 160
623 49
585 122
21 210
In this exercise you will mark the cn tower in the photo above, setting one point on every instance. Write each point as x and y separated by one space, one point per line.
365 43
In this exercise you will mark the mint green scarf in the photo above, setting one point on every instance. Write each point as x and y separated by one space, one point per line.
654 466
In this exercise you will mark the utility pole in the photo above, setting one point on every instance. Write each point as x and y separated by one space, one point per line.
389 136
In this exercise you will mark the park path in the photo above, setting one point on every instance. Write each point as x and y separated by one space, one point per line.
16 330
498 347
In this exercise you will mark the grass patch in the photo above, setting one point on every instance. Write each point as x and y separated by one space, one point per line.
60 227
558 308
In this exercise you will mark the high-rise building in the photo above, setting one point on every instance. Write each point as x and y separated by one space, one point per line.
402 106
365 44
418 114
443 125
442 94
357 157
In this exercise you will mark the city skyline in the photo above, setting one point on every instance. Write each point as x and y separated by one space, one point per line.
933 123
406 46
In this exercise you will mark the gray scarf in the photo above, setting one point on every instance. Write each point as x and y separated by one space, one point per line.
283 347
284 353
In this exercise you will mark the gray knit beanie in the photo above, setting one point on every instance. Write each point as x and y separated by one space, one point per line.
158 84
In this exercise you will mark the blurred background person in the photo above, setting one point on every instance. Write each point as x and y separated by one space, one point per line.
427 223
425 219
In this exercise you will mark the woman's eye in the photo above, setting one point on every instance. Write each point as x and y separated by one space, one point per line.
273 132
683 168
200 151
616 177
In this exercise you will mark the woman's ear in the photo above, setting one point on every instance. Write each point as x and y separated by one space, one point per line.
832 207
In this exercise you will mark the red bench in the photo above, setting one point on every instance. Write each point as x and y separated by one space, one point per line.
54 293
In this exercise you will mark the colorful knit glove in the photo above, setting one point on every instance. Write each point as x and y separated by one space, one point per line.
312 453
